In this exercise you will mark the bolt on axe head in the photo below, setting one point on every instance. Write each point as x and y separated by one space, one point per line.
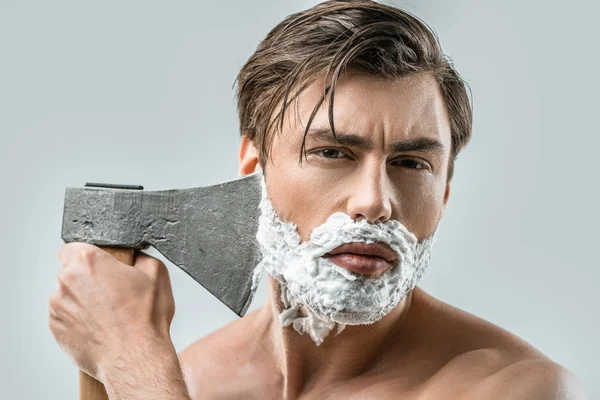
209 232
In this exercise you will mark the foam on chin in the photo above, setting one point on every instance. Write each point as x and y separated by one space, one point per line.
318 294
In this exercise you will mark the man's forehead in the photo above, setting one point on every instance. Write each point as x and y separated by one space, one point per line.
369 105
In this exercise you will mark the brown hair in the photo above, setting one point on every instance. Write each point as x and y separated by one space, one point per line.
329 38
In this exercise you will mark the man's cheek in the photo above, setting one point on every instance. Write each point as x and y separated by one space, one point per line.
305 215
421 217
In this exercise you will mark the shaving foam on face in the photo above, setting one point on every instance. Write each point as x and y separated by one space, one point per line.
318 294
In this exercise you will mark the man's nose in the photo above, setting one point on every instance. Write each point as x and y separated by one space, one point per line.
370 198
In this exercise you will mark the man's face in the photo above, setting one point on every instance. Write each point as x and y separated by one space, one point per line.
390 160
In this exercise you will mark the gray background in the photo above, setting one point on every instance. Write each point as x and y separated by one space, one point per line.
141 92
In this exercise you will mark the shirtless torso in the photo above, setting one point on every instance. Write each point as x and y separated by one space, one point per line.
452 355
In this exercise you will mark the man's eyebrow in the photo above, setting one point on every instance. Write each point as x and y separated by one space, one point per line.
346 139
418 144
400 146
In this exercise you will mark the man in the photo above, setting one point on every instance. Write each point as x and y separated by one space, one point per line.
355 118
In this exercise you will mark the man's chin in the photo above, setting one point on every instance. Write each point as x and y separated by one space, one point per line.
348 316
358 317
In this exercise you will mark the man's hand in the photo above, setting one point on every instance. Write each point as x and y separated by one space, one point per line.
109 316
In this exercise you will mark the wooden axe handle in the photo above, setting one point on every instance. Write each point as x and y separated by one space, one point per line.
90 388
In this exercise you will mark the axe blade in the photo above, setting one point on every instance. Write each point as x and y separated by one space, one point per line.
209 232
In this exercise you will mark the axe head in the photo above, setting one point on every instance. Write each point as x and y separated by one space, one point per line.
209 232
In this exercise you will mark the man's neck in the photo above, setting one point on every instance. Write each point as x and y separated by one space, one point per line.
354 351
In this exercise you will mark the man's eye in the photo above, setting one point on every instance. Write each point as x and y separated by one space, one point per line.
411 163
331 153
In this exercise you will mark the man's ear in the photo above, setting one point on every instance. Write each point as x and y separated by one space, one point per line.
248 156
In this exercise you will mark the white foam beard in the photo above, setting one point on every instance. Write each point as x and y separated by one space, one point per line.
318 294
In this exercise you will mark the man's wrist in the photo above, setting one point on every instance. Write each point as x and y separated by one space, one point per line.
148 369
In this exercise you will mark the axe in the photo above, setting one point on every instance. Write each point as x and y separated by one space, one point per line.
209 232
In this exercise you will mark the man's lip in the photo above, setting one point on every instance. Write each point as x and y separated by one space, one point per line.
362 249
361 264
366 259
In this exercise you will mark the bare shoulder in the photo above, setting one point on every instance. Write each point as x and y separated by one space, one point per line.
467 339
200 361
494 363
210 364
532 380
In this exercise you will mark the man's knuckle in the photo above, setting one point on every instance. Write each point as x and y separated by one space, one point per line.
156 263
88 255
63 278
54 301
53 326
66 277
157 268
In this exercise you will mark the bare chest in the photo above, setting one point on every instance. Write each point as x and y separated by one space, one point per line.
375 387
